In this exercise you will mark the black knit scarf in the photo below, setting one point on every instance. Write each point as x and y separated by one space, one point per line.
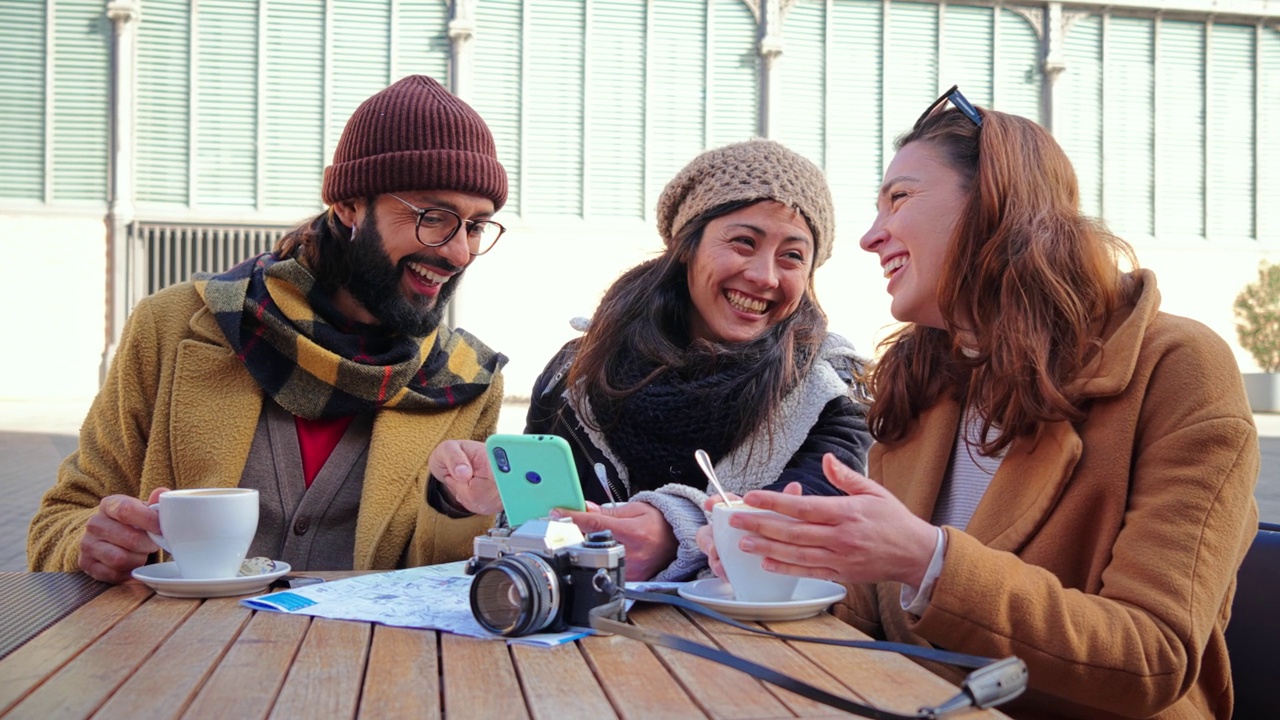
316 364
655 430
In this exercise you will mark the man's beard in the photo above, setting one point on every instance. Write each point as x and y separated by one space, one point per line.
375 283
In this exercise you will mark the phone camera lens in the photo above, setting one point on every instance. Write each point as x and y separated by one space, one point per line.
501 456
533 477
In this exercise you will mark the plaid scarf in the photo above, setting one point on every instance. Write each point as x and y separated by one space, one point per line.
316 364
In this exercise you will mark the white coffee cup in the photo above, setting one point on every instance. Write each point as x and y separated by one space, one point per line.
207 530
746 573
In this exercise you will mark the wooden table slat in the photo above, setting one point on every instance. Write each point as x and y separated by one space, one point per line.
168 681
720 691
128 653
25 668
325 679
546 673
886 679
633 677
782 658
246 682
89 679
479 679
403 676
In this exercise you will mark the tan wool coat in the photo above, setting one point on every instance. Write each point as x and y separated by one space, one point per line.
1104 555
179 409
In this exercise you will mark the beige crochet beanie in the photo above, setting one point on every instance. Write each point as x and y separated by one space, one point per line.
757 169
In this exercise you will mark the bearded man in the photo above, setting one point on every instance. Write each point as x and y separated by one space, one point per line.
319 374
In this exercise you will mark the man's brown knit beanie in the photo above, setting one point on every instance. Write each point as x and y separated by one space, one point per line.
415 135
753 170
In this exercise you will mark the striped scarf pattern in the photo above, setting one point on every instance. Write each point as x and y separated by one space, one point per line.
316 364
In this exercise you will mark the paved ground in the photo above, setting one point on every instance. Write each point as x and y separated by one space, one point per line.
34 437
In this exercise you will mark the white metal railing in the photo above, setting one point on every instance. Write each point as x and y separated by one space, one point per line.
172 253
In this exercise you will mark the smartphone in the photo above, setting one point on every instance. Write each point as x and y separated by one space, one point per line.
294 581
535 474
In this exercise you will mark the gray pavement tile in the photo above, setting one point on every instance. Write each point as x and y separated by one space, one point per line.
1268 490
28 467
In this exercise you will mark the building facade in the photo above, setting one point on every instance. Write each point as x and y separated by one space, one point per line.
144 140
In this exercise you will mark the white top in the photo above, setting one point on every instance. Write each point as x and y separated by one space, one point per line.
968 476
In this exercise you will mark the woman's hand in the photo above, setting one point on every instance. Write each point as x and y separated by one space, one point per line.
866 536
651 544
706 539
462 467
707 545
115 538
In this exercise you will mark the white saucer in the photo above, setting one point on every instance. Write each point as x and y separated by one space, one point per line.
812 596
165 580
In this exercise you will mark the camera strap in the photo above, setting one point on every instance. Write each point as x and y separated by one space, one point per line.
991 683
924 653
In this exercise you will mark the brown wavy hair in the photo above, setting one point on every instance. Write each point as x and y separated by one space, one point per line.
1027 276
645 313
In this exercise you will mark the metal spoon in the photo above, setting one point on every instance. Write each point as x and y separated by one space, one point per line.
704 462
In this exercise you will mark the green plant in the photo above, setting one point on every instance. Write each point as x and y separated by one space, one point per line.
1258 317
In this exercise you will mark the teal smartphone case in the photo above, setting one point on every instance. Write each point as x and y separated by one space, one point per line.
535 474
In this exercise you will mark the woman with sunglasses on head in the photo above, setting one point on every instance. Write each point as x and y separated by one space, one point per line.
717 344
1062 472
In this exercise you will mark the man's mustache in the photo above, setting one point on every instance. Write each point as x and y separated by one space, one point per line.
433 261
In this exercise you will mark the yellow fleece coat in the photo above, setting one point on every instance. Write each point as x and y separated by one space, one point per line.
179 409
1105 554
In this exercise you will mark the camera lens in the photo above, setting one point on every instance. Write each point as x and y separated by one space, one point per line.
500 456
515 595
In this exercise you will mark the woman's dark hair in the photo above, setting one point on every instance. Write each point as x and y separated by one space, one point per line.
1028 278
645 314
323 244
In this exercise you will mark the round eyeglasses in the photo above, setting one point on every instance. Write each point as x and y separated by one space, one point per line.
437 226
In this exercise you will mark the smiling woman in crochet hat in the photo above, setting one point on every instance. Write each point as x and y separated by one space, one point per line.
717 344
748 172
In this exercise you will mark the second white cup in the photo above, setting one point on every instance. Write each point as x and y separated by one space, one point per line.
746 573
207 530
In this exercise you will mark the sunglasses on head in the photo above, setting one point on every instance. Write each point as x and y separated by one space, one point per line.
959 100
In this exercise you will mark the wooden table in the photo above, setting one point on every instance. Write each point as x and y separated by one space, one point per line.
131 654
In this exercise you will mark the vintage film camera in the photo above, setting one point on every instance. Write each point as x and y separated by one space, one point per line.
544 576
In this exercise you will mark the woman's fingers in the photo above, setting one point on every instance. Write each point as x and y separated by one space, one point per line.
790 553
706 543
817 509
820 572
796 527
589 521
716 499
